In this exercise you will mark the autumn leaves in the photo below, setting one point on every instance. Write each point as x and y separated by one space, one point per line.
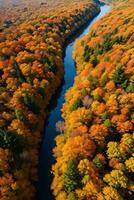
31 68
95 155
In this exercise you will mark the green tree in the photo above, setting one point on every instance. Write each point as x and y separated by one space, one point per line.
29 101
18 72
77 104
20 115
119 76
9 140
71 177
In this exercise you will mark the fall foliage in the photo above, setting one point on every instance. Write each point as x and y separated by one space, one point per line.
95 154
31 69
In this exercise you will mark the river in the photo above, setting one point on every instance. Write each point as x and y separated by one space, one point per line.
46 157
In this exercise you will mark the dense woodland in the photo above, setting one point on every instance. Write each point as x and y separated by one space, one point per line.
94 150
14 12
31 69
95 154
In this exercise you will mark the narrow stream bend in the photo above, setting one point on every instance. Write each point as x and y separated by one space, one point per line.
46 157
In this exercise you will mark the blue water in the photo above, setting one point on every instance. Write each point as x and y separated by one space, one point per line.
46 157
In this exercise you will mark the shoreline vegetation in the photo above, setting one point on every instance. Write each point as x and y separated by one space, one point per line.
95 150
31 69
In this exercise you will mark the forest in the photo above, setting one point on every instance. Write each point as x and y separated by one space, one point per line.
31 69
94 151
95 154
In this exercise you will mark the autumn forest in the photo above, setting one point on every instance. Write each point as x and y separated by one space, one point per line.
93 148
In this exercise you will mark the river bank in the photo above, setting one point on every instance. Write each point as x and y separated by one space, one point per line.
46 157
94 150
31 69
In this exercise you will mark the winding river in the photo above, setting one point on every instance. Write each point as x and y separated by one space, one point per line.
46 157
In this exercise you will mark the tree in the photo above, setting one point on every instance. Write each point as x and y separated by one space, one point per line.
77 104
116 179
109 193
60 126
18 72
130 164
71 177
20 115
30 102
87 101
119 76
12 141
113 150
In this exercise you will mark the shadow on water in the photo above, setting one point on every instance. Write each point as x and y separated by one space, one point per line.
46 158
